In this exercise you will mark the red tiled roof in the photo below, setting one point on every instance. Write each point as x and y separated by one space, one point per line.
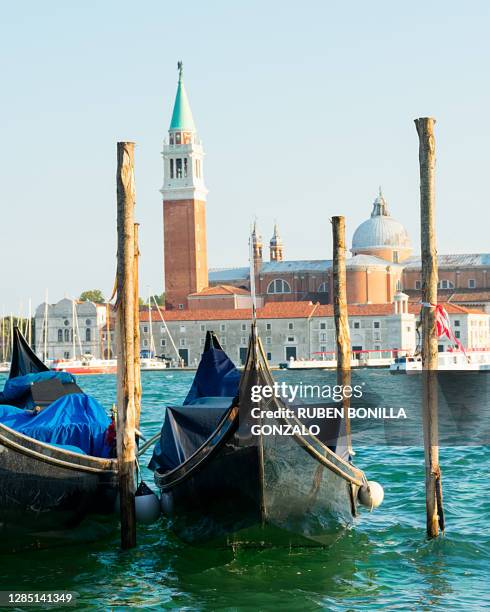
292 310
220 290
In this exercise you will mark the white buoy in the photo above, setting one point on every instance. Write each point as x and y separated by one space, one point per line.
146 504
371 494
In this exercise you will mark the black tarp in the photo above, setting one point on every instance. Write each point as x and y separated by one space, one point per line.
24 361
187 427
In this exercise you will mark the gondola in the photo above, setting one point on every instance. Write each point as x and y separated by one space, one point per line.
222 481
50 486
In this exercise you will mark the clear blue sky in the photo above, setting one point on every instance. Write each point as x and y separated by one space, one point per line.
304 108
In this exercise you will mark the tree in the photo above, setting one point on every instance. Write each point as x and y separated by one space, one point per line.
159 299
92 295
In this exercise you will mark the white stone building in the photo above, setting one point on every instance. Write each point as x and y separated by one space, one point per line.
71 328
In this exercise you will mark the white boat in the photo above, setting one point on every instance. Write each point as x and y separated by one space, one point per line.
152 364
471 361
360 359
86 365
5 366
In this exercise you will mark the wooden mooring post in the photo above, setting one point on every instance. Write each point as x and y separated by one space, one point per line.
342 332
136 323
125 326
433 484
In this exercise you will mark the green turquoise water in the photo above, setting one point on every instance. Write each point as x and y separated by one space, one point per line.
383 561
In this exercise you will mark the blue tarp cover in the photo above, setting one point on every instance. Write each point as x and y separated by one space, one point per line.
18 386
73 420
216 376
187 427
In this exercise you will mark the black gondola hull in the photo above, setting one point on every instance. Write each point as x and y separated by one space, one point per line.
46 489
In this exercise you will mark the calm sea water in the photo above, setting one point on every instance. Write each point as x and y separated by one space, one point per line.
383 561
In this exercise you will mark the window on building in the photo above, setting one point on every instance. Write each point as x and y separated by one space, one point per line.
398 285
162 342
182 329
66 354
202 327
357 325
323 326
145 342
222 341
202 341
178 138
418 284
178 168
222 327
162 329
244 327
269 356
145 329
181 306
471 283
290 325
268 340
88 335
268 326
323 337
182 342
456 323
445 284
457 334
172 172
171 139
377 347
279 286
291 339
185 166
377 336
243 340
60 335
395 256
376 324
323 288
409 329
323 348
67 335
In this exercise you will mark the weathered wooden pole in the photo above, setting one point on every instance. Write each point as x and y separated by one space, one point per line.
137 367
433 485
342 332
126 444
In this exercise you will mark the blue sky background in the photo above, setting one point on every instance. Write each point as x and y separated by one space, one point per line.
303 108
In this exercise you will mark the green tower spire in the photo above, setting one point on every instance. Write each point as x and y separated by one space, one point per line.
182 115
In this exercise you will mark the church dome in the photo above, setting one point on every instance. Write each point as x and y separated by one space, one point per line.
380 231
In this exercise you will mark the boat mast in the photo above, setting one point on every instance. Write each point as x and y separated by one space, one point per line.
29 324
45 327
179 358
3 334
73 341
152 343
107 331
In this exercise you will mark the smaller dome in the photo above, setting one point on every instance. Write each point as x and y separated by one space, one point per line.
380 230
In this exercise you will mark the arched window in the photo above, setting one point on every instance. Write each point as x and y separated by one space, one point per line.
67 335
445 284
323 288
88 335
398 285
60 335
279 286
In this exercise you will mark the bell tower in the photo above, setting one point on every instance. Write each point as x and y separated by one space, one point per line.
275 246
184 206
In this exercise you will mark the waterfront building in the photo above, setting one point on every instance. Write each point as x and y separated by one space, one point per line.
71 328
